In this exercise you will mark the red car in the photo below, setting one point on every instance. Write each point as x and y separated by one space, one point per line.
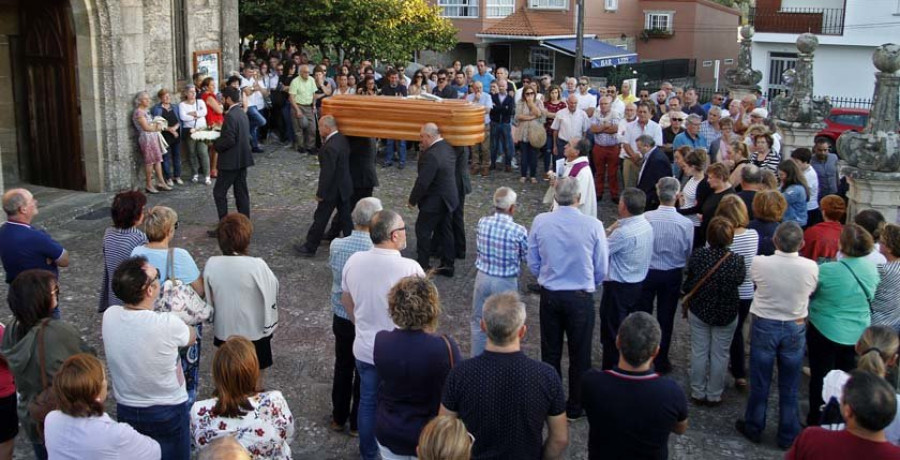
839 121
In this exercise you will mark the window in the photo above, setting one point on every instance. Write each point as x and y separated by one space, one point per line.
707 63
459 8
542 60
729 62
549 4
611 5
658 20
850 119
179 21
499 8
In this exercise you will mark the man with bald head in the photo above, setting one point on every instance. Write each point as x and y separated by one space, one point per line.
568 124
23 247
436 195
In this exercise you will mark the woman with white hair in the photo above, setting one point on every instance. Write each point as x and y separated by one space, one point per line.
149 140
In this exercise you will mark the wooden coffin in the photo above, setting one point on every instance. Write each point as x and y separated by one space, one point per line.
461 123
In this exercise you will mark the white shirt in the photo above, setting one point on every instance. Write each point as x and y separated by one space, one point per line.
187 120
812 179
634 130
586 101
618 106
623 127
142 354
570 125
256 97
367 277
784 281
96 438
876 257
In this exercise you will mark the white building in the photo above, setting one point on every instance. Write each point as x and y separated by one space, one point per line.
848 33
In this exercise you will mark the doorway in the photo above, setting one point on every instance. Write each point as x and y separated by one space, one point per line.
45 61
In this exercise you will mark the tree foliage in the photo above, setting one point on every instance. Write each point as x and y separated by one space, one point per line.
385 29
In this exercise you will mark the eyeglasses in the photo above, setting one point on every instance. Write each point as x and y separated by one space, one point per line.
155 278
529 94
582 84
442 79
401 229
176 225
677 119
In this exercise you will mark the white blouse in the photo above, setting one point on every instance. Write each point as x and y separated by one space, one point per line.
266 431
96 438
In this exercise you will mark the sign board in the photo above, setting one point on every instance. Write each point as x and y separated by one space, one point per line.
209 62
614 61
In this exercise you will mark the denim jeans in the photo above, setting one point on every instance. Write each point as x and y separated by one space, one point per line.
709 358
368 403
783 341
288 120
548 154
167 425
568 314
389 151
501 139
172 162
485 286
256 121
528 163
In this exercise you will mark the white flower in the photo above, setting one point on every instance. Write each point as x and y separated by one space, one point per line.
205 135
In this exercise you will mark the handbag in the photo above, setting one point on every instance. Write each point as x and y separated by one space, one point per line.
181 299
685 301
46 400
537 135
863 288
449 349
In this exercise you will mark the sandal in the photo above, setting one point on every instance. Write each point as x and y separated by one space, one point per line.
164 187
522 180
534 180
151 190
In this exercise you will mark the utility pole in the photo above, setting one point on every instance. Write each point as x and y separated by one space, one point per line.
579 38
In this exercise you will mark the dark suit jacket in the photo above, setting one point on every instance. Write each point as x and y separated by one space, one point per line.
335 183
435 189
234 143
502 112
362 162
463 181
657 166
447 93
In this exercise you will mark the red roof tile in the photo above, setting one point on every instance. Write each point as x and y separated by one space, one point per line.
527 23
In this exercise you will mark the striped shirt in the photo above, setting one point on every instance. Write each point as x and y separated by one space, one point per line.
501 247
746 245
341 250
770 163
630 250
689 192
673 238
886 304
117 246
711 134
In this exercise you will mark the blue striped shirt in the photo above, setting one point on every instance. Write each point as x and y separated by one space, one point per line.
567 250
630 250
673 238
341 250
501 246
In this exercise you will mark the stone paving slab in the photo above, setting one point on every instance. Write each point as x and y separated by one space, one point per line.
282 189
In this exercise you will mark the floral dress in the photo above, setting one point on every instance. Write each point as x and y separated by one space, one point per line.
266 431
148 140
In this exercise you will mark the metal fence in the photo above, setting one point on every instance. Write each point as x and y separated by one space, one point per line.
851 103
819 21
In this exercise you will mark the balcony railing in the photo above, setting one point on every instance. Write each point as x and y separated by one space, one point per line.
819 21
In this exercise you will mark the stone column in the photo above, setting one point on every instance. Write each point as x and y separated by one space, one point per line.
230 38
481 51
742 80
872 158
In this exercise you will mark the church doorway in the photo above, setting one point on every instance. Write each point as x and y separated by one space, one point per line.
51 150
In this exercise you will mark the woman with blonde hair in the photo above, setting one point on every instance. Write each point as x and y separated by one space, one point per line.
877 354
261 421
445 438
80 427
412 363
149 141
740 156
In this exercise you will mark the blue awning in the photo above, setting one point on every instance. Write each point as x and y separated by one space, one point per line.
600 54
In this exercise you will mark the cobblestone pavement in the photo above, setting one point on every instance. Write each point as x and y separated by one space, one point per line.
282 186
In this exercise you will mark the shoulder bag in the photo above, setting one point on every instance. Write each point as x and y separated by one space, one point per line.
181 299
685 301
449 349
45 401
863 288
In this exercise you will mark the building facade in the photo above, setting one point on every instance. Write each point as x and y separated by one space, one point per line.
537 36
848 33
70 71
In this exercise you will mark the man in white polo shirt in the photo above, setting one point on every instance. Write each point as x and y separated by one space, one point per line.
254 89
366 279
569 124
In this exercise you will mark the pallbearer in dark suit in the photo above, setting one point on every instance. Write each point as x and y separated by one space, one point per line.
656 166
335 186
234 156
363 175
436 195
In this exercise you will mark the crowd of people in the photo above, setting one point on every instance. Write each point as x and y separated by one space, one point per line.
709 216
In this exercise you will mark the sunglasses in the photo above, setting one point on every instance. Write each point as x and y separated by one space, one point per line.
529 94
442 79
401 229
678 119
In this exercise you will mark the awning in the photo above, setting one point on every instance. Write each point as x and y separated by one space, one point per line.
600 54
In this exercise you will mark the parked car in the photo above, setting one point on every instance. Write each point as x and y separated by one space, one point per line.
839 121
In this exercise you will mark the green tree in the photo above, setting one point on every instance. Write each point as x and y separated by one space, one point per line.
385 29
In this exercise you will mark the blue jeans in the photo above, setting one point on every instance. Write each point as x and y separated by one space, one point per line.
528 163
389 151
256 121
167 425
172 160
501 138
485 286
368 404
288 118
784 341
548 153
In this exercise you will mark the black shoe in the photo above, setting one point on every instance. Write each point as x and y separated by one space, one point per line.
534 287
212 233
741 426
401 166
663 368
386 165
257 150
303 251
445 270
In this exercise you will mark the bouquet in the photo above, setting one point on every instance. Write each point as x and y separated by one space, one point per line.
206 136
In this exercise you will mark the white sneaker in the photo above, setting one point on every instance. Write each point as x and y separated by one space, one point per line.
170 183
195 178
207 181
179 181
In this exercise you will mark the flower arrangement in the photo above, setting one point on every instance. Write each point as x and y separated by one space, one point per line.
205 135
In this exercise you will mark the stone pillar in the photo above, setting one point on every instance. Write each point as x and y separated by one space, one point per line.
481 51
873 157
230 37
796 135
799 116
742 79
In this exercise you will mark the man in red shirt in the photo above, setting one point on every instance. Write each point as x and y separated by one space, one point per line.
868 407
